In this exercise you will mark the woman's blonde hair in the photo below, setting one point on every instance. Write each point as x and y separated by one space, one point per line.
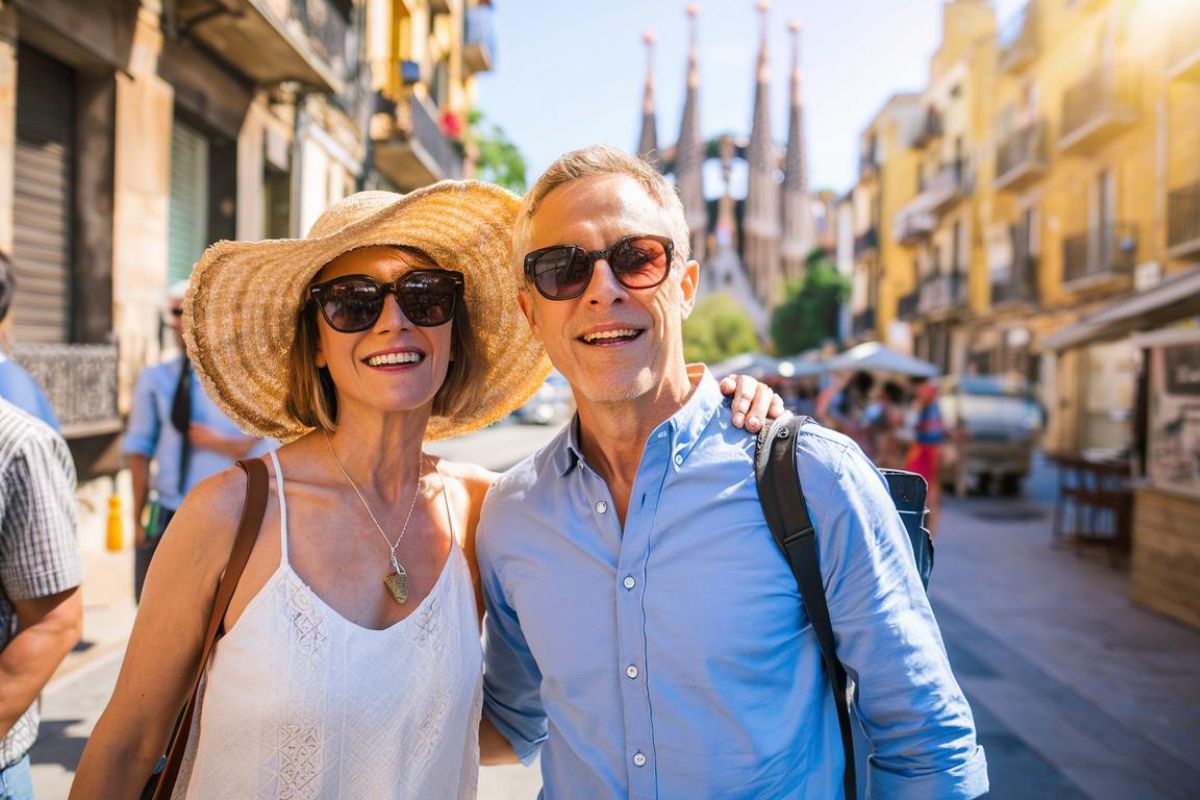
312 397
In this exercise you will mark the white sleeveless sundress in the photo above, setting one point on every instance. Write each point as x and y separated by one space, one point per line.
300 703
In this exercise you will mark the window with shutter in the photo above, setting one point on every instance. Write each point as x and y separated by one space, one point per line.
187 213
43 198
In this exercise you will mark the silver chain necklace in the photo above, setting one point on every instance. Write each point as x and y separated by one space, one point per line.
397 580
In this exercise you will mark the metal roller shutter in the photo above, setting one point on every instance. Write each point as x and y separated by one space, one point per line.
43 198
188 210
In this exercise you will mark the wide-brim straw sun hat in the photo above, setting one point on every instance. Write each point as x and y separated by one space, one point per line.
245 300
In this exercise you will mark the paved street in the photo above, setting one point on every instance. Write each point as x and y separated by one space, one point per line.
1077 693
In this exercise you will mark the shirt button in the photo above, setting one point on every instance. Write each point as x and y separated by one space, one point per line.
631 671
639 759
662 434
601 507
678 460
630 582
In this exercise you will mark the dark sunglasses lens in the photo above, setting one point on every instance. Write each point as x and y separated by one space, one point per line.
640 263
562 272
351 306
428 298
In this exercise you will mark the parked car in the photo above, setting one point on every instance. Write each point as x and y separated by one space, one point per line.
993 423
551 404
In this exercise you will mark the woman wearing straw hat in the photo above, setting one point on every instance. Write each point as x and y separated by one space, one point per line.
350 664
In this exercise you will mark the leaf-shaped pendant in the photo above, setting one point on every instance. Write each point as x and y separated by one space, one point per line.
397 584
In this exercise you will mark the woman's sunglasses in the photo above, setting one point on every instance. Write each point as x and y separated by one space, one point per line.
563 272
353 303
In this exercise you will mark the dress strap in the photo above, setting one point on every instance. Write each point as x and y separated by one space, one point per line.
283 538
446 498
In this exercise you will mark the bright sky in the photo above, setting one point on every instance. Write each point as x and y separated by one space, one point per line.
570 72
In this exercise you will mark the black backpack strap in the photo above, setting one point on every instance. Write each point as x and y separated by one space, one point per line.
786 513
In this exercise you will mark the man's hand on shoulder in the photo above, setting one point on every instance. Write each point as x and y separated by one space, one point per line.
754 402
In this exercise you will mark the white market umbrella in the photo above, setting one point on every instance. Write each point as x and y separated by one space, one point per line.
875 357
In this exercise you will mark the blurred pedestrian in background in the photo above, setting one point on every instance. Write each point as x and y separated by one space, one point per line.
41 610
16 385
175 425
928 434
883 422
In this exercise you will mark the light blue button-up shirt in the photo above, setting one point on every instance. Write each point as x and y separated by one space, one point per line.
673 658
151 433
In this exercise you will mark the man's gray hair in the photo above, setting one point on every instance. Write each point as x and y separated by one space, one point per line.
595 161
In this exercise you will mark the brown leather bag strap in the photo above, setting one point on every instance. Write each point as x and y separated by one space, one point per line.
252 517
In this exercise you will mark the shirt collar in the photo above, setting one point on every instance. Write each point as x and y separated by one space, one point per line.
684 427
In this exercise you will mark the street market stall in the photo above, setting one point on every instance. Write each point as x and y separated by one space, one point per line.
1165 573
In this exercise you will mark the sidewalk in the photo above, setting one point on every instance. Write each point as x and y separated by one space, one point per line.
1105 691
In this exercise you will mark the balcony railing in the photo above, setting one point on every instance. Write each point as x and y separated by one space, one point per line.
1018 39
270 41
946 185
867 163
863 322
1183 47
479 39
930 129
912 224
1183 222
1100 253
1018 284
1097 107
1021 157
866 241
80 381
942 292
409 146
907 307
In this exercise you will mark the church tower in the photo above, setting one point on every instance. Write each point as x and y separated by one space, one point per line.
762 216
798 228
689 149
647 149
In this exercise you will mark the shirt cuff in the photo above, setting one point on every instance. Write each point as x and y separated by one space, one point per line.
525 749
961 782
137 446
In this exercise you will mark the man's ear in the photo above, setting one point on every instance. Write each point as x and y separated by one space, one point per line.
526 304
689 283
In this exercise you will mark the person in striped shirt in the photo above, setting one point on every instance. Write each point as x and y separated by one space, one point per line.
41 608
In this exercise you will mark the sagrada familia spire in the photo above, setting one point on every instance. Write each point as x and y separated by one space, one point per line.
648 141
798 227
748 247
762 217
689 149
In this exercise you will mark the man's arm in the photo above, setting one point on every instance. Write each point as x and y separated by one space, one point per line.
494 749
514 722
47 629
39 570
138 443
209 438
911 707
139 473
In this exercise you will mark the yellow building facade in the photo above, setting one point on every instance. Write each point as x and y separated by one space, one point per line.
883 266
1059 175
424 56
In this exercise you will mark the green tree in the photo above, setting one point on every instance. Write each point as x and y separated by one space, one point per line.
717 329
808 315
499 161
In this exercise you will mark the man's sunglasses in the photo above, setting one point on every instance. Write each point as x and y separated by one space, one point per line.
353 303
563 272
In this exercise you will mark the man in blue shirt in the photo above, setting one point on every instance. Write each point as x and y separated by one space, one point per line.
16 385
174 424
643 632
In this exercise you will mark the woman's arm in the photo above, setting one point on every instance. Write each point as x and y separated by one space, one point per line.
164 648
